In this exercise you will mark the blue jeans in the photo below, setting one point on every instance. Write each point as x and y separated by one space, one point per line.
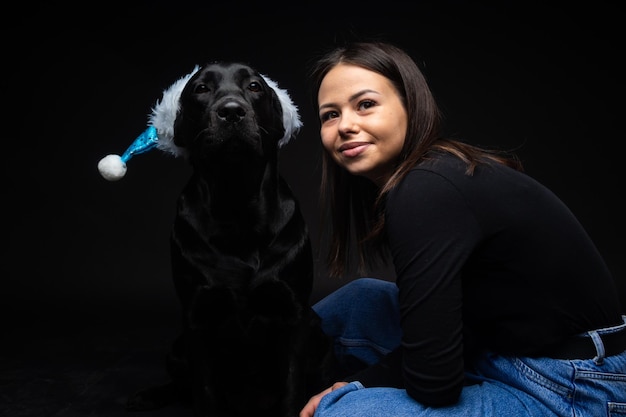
363 318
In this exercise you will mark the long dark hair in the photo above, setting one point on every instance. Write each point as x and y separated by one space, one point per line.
353 207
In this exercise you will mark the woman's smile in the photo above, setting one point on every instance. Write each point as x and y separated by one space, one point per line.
353 149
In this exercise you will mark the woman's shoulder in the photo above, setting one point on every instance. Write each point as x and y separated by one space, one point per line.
442 173
435 167
436 176
454 168
439 161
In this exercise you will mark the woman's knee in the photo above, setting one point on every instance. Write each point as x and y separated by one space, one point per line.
353 400
361 297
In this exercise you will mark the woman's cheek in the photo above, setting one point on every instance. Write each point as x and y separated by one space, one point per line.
327 142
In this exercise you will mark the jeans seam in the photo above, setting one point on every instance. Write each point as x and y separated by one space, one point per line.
540 379
351 343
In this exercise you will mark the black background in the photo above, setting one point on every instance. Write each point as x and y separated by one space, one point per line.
79 82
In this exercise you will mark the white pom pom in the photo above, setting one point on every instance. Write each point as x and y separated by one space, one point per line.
112 167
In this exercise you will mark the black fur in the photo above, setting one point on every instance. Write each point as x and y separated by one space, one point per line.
241 260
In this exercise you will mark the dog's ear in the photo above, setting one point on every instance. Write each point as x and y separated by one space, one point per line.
164 113
278 108
290 115
182 126
276 127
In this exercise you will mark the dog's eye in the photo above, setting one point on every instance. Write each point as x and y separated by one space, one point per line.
201 88
254 87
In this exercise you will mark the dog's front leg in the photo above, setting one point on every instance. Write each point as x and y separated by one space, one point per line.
203 393
295 384
312 363
212 309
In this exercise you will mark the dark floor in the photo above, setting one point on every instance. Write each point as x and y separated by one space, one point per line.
66 357
63 369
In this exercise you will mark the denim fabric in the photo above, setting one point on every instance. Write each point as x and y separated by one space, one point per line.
363 318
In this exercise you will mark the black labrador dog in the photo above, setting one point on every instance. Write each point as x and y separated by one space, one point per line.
241 259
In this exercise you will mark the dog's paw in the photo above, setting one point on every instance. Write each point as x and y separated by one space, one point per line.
152 398
211 306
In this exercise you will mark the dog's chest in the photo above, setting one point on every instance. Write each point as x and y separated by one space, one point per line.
229 239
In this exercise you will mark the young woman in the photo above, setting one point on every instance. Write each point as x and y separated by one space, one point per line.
502 305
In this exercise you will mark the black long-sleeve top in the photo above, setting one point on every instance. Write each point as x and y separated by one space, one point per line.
493 261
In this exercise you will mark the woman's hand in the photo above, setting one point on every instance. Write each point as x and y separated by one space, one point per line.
311 406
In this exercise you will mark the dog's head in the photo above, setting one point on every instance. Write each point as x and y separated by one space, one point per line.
169 114
226 108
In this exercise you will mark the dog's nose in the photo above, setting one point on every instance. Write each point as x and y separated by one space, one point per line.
231 111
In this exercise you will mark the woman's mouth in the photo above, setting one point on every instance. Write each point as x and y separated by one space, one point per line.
353 149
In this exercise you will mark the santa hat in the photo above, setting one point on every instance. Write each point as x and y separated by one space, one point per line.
160 131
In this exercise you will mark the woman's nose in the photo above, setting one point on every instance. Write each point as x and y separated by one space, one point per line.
347 124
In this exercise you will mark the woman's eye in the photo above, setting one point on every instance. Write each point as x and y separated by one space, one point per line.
328 115
366 104
254 86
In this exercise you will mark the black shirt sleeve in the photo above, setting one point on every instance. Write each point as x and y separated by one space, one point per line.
431 234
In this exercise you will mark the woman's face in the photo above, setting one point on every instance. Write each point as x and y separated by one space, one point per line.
363 121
